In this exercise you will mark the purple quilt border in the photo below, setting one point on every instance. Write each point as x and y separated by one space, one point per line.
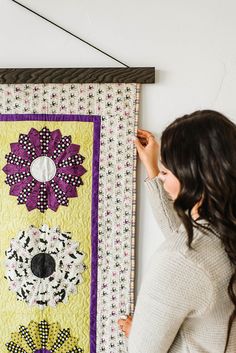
96 119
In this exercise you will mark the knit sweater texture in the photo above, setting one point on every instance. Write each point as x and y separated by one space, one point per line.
183 305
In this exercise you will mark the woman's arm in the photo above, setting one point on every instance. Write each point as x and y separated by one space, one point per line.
162 206
149 149
172 289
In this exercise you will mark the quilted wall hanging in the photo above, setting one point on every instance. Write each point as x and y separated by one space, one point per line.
68 195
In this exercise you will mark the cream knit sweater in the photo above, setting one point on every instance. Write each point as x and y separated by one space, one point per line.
183 305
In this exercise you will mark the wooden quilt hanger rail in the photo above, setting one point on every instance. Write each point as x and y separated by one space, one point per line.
76 75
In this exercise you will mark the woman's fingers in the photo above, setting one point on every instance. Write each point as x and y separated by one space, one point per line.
143 141
144 136
125 325
144 133
123 322
146 140
148 149
139 144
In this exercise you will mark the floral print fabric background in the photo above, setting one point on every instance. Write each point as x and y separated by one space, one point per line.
118 105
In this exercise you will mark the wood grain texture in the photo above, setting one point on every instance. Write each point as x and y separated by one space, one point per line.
78 75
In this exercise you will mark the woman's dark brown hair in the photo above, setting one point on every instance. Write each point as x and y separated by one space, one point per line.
200 150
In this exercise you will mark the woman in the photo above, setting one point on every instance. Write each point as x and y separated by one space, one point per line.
187 300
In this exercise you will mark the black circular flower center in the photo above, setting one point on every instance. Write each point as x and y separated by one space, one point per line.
43 265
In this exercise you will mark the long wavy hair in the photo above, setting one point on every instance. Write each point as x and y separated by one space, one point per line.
200 150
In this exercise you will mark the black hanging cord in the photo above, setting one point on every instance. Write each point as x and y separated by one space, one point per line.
72 34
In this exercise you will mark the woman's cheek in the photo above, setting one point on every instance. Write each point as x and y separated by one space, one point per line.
167 186
171 186
175 188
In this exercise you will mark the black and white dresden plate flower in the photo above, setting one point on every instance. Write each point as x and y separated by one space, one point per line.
44 266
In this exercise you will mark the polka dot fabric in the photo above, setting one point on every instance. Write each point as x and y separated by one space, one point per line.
13 159
42 203
25 143
65 142
24 194
74 160
16 178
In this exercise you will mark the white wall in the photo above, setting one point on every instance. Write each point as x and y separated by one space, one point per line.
191 43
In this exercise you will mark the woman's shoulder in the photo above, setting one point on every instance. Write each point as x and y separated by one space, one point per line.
204 235
174 255
171 274
205 265
206 253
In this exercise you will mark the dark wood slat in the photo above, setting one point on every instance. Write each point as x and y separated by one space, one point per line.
78 75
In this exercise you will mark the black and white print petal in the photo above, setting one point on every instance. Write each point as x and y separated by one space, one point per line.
44 266
43 337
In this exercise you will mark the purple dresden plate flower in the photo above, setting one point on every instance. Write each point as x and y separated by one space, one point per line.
44 169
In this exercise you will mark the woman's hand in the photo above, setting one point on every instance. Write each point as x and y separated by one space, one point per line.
148 150
125 325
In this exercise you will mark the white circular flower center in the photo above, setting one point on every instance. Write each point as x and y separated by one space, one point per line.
43 169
